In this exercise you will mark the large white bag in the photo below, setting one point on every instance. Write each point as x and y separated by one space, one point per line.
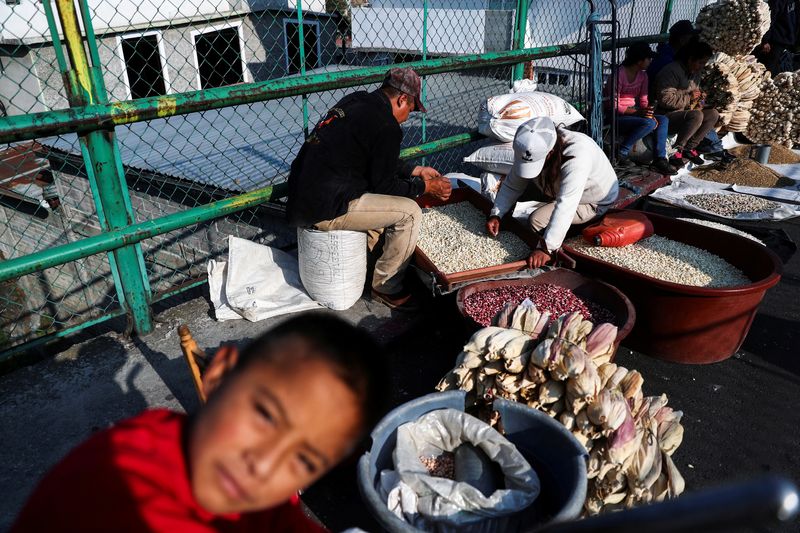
333 265
500 116
256 282
495 157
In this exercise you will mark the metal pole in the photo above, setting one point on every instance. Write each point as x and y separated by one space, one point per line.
520 29
665 20
103 116
104 167
595 75
613 81
302 36
424 80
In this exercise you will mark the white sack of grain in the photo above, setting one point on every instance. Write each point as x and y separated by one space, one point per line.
496 157
500 116
443 502
333 265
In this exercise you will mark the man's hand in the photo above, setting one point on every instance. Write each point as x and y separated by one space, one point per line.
645 112
438 187
697 94
426 173
766 48
493 226
538 259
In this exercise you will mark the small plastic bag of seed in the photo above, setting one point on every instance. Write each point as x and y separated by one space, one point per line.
424 461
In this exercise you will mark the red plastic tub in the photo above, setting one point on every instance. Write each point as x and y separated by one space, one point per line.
688 324
448 280
587 289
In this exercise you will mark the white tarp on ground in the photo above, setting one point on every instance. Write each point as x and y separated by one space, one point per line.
683 186
256 282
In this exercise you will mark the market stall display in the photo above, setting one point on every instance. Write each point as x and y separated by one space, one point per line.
742 172
723 227
732 84
734 27
773 114
685 323
668 260
778 155
568 375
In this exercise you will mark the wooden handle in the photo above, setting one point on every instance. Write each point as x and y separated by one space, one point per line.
195 358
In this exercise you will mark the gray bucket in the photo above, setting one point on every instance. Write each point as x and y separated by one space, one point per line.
557 457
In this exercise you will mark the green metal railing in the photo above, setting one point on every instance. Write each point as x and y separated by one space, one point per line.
94 117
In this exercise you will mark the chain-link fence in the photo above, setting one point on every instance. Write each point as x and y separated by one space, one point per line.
175 162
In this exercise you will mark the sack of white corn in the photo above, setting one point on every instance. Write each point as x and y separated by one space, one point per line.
733 84
495 157
568 374
733 26
773 113
500 116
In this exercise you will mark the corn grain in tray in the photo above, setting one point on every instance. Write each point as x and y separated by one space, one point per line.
668 260
730 205
454 238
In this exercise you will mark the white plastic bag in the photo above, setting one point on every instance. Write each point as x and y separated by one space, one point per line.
524 86
256 282
333 265
497 157
421 498
500 116
470 181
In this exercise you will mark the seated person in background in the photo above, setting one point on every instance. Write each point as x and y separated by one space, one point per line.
632 110
681 99
348 176
779 44
567 168
279 415
680 34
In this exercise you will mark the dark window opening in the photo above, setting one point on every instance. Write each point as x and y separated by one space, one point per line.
219 58
541 78
310 40
563 79
144 67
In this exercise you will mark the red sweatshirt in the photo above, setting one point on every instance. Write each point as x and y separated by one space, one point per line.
133 478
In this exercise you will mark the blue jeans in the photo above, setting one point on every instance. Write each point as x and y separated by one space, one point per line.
640 127
710 144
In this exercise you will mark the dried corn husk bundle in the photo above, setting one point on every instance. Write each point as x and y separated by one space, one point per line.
568 375
774 111
733 26
732 85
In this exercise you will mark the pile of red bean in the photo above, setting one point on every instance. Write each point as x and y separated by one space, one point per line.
483 306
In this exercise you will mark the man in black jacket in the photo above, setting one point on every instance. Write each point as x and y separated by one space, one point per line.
348 176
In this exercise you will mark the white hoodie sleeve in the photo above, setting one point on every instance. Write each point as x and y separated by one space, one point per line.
574 176
510 191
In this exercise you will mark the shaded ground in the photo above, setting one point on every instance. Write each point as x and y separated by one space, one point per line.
740 415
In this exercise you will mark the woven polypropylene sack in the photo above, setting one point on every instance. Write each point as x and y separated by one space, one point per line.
500 116
497 157
333 265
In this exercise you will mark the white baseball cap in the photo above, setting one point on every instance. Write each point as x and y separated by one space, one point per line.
532 142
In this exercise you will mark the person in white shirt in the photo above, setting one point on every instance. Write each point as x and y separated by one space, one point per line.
569 169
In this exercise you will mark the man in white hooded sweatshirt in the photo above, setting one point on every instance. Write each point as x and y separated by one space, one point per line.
569 169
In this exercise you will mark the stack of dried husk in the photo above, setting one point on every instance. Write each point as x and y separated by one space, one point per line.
776 111
734 27
732 85
566 372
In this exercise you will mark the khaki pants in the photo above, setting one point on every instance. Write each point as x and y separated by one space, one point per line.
540 218
691 126
399 219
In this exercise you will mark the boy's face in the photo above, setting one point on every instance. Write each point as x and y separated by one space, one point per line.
269 431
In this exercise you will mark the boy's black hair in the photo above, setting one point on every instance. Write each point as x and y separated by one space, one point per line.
696 49
352 353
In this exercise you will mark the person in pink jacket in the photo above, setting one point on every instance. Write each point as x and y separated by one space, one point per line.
633 112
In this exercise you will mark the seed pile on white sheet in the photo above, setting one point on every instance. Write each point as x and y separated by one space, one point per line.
730 205
668 260
454 238
723 227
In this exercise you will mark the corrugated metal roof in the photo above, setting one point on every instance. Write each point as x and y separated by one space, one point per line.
246 147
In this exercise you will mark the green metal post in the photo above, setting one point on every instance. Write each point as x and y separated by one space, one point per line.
302 36
104 164
667 16
424 80
520 29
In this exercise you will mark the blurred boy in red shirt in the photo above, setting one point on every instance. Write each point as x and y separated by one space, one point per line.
278 417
